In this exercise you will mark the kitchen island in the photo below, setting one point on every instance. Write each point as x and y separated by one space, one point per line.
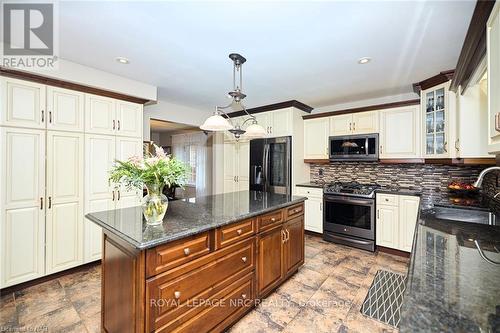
204 267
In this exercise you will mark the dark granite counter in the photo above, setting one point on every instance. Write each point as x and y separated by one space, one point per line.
399 191
312 184
450 287
189 216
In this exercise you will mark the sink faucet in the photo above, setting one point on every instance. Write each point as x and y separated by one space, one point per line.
478 183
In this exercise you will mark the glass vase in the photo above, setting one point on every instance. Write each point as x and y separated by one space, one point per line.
154 205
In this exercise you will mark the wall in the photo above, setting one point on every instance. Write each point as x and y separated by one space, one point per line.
431 180
76 73
173 112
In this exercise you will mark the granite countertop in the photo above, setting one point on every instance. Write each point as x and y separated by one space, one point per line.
398 190
312 184
189 216
450 287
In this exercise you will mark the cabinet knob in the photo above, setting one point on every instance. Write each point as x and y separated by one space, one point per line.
386 199
244 259
273 219
239 231
244 296
187 251
177 294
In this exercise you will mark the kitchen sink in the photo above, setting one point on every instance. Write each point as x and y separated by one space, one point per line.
464 215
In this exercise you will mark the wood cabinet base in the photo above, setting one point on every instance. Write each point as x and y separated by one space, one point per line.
203 283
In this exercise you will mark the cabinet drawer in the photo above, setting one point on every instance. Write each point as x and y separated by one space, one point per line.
294 211
233 299
233 233
387 199
270 220
165 257
169 297
309 191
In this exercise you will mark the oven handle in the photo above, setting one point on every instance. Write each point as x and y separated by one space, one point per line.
366 202
357 241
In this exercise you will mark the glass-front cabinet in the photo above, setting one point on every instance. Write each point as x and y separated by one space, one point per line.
436 121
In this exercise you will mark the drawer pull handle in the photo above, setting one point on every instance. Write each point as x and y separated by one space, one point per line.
187 251
239 231
244 259
177 294
386 199
244 296
273 219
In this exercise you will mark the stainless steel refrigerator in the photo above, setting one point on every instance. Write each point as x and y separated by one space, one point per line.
270 165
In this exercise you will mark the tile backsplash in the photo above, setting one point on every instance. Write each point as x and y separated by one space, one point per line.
430 179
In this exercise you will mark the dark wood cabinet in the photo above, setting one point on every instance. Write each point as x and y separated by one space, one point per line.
270 260
294 245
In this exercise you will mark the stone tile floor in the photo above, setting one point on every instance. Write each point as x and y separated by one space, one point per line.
324 296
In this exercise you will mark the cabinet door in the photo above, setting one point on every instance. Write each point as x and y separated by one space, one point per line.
270 262
314 214
65 109
129 119
316 138
436 123
400 133
100 115
365 122
22 205
99 157
387 226
229 166
126 148
281 124
493 54
64 234
341 125
23 104
294 244
408 212
265 120
243 160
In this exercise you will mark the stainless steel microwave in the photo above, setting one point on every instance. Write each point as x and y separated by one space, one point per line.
354 147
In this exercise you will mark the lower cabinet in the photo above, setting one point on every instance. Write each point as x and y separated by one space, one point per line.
293 250
396 220
236 166
313 220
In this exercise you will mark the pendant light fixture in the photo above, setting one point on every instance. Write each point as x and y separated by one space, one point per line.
220 121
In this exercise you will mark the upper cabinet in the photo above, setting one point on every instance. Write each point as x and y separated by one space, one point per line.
436 113
23 104
65 109
316 138
400 132
493 54
128 119
276 123
355 123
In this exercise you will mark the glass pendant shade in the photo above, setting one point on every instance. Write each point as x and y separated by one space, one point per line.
255 131
216 123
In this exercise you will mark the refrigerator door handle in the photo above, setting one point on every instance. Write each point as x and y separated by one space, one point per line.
265 167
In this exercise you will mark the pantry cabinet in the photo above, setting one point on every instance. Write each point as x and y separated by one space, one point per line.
22 205
316 132
65 109
236 166
400 133
23 104
313 215
355 123
396 220
493 55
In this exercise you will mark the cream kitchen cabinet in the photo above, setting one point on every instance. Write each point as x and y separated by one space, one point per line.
396 220
355 123
236 166
65 109
316 133
64 212
276 123
313 220
23 104
400 133
108 116
493 55
22 205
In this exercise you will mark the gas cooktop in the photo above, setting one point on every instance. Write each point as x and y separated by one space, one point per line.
351 188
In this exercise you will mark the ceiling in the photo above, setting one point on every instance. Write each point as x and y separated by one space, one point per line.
168 126
306 51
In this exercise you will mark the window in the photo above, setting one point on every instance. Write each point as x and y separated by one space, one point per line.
191 160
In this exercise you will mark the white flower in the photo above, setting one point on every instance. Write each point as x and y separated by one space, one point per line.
159 152
136 161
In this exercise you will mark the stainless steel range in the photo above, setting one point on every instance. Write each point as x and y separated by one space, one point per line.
349 214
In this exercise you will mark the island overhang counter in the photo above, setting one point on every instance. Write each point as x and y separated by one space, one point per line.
204 267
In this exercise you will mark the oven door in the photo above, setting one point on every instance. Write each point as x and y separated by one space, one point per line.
349 216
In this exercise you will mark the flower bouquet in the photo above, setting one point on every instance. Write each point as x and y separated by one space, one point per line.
154 172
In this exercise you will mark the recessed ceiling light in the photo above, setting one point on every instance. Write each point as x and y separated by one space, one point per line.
122 60
364 60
